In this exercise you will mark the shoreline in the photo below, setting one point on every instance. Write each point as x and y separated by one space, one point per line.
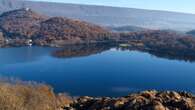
21 95
145 100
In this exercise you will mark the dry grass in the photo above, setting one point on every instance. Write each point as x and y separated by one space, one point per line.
22 96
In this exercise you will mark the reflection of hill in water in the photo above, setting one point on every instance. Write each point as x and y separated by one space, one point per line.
174 56
171 55
81 50
26 54
86 50
22 54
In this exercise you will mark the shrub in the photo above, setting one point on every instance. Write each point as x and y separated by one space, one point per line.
22 96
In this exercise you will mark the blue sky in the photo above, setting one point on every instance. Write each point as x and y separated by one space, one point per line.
187 6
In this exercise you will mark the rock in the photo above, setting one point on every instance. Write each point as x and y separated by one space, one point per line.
146 100
185 94
159 107
175 95
149 94
186 103
84 99
64 101
119 103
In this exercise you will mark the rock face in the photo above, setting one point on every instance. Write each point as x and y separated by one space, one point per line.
147 100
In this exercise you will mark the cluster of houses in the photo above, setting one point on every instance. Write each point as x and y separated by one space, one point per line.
28 42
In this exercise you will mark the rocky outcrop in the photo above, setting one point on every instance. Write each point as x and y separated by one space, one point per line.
147 100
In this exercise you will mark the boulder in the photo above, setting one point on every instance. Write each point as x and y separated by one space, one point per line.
146 100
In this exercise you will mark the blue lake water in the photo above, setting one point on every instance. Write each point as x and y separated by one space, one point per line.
109 72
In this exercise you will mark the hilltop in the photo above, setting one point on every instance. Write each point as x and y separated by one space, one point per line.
61 31
21 23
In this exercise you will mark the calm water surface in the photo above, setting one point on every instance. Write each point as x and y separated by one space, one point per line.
109 72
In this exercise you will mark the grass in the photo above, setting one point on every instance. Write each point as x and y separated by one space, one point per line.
30 96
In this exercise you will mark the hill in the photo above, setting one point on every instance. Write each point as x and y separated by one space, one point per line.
108 16
20 23
192 32
24 26
61 31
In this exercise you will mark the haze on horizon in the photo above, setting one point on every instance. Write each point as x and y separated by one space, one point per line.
184 6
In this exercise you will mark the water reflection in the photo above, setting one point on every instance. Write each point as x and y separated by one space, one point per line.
170 55
174 56
86 50
82 50
22 54
111 73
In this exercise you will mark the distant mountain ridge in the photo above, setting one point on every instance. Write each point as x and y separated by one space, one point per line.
127 29
108 16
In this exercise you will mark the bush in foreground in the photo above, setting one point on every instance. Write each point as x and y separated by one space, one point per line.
22 96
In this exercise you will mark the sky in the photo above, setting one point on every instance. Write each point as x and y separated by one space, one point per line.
186 6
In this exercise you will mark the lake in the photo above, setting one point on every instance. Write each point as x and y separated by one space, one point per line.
100 71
